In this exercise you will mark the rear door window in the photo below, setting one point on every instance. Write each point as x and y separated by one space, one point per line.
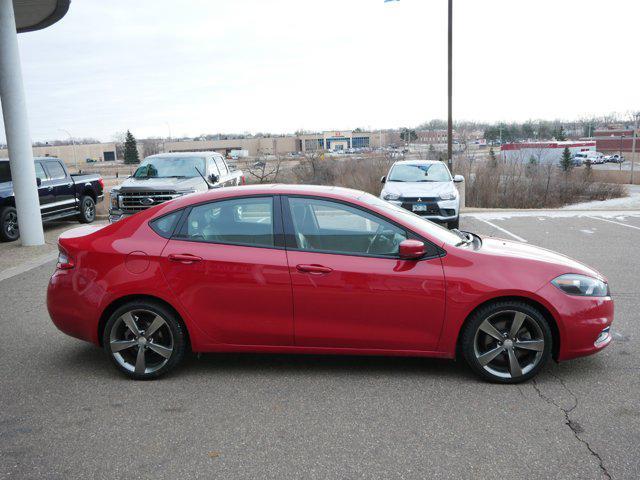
56 171
241 221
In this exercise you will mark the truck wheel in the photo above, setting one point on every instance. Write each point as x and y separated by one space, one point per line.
9 231
87 209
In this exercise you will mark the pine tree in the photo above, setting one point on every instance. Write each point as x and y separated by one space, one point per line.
559 134
565 163
433 155
130 149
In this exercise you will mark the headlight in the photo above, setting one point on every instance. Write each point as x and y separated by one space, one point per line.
113 195
581 285
448 196
391 196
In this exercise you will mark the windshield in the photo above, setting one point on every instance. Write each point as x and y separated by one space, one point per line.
5 172
422 172
414 221
166 167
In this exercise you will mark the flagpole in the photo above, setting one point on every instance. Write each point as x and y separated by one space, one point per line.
450 91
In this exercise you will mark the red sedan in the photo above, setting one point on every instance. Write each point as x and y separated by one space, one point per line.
299 269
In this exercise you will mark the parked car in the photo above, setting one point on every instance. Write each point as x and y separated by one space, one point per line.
324 270
61 195
614 158
424 187
167 176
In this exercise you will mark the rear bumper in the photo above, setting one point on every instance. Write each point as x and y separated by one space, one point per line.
583 322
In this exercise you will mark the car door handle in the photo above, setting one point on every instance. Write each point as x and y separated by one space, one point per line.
185 258
49 188
314 269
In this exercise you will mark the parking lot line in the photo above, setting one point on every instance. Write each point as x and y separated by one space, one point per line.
29 265
520 239
612 221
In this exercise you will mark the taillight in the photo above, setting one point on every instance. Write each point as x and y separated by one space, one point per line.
65 262
243 180
101 182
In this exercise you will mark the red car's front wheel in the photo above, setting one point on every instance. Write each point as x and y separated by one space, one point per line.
507 342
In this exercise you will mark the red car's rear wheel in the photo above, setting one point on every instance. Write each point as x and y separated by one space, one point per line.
144 339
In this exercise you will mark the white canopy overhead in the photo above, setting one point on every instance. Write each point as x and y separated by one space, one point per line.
37 14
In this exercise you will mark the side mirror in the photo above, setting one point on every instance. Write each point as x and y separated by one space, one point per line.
411 249
38 181
458 179
214 178
383 179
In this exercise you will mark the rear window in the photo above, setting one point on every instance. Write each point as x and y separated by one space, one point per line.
5 172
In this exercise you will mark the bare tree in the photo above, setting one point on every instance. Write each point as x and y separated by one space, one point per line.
265 171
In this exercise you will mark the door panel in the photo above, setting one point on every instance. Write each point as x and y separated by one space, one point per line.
236 294
350 289
63 189
363 302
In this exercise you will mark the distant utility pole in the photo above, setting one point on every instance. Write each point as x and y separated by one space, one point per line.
450 91
633 144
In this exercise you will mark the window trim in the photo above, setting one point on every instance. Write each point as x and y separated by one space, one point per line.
151 222
44 170
432 250
277 227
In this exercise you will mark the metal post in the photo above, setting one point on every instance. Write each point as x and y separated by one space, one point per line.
633 145
14 109
621 140
73 144
450 91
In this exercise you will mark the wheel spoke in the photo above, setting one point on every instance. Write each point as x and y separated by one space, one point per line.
487 357
535 345
130 322
514 365
119 345
518 320
141 365
160 350
489 329
155 325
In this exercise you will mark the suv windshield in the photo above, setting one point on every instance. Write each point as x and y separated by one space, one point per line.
422 172
166 167
5 172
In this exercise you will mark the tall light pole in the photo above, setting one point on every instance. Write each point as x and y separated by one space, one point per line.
633 144
621 140
450 91
73 143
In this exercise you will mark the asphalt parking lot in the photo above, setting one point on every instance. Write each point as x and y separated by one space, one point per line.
66 413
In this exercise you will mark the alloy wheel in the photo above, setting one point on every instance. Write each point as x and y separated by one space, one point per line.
11 224
89 210
509 344
141 341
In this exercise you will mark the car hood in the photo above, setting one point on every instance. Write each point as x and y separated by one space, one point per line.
517 250
419 189
156 184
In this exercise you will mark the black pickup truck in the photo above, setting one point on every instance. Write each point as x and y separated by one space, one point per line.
61 195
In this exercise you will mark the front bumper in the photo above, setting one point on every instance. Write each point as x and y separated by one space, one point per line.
436 210
116 215
583 322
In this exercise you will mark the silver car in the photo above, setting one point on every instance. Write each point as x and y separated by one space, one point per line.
426 188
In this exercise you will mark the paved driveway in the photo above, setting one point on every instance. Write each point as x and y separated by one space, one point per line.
66 413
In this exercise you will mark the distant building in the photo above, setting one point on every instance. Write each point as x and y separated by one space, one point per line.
99 152
615 140
543 152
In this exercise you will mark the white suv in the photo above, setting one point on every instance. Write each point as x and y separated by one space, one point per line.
424 187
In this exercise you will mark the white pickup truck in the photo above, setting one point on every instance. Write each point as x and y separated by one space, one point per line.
166 176
426 188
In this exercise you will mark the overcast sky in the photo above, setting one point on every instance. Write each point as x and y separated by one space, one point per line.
281 65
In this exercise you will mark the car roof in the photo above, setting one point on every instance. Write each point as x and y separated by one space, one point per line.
337 193
183 154
417 162
34 159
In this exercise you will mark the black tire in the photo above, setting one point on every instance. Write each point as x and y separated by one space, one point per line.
87 209
170 336
454 224
475 342
9 231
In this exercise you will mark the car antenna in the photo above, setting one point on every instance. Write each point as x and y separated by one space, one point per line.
209 187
